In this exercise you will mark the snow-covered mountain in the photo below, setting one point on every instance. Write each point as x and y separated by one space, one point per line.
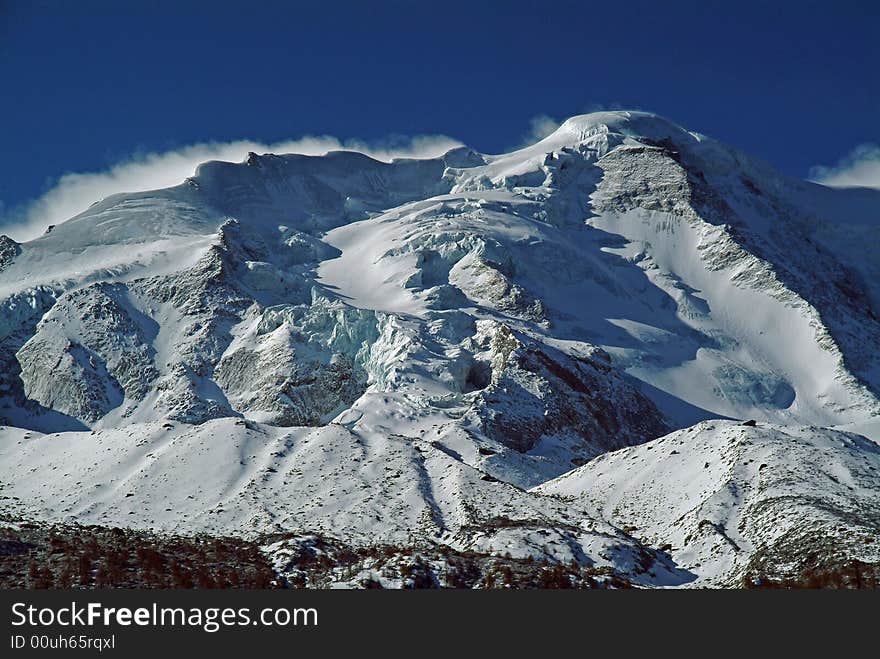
457 351
739 504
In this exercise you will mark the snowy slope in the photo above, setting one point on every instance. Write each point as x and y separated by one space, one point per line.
394 351
723 498
233 477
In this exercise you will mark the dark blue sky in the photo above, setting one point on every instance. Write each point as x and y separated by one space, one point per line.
88 83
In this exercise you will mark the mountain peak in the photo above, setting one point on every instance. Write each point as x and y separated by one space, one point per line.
629 123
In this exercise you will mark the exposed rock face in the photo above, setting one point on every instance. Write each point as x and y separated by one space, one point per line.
535 393
80 384
9 249
486 283
88 353
300 364
202 305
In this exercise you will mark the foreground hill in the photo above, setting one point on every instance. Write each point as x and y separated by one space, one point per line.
744 505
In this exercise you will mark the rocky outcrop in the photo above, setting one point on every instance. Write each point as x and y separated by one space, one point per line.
9 249
300 365
531 394
91 351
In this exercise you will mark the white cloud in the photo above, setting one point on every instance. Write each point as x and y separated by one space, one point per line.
542 126
861 167
75 192
539 127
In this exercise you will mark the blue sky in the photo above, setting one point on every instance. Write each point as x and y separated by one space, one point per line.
89 84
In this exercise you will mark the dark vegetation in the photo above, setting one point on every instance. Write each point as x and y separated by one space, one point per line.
35 555
796 561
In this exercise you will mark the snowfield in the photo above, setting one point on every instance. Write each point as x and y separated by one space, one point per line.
480 352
